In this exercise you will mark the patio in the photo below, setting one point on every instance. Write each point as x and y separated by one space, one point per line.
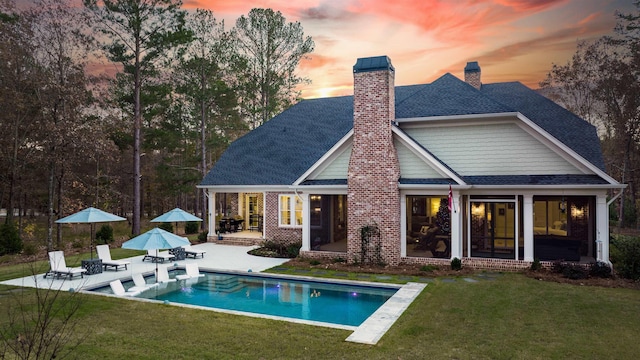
218 257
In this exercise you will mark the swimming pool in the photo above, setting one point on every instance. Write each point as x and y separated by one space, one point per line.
342 303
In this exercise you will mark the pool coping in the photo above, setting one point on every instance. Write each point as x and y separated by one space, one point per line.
369 332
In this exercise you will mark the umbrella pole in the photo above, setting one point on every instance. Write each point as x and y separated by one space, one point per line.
91 241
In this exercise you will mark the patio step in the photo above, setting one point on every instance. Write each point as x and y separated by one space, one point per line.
228 240
221 283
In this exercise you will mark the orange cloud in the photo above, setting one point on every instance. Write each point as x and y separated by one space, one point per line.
316 61
529 6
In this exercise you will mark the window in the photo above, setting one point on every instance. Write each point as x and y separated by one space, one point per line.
290 210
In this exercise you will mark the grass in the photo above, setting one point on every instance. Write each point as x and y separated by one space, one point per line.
510 317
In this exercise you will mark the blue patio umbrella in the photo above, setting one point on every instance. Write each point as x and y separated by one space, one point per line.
90 215
155 239
176 215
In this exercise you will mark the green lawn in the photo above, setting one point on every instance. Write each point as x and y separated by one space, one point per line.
510 317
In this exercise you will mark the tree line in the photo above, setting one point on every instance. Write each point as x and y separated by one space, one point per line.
601 84
126 104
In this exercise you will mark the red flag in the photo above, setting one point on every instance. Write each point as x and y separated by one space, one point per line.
450 198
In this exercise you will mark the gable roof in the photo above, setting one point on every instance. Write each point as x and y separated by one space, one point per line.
284 148
564 125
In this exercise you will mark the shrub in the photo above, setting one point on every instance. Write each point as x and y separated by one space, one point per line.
166 227
570 270
535 265
191 227
428 268
625 255
202 237
600 269
314 262
272 248
29 249
104 235
339 260
10 242
293 250
456 264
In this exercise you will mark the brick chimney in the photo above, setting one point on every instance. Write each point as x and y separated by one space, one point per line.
374 170
472 74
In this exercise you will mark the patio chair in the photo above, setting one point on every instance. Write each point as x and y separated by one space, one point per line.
163 275
118 289
105 255
158 256
190 251
59 266
192 271
140 284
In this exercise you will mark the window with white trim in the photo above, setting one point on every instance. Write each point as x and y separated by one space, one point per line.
290 210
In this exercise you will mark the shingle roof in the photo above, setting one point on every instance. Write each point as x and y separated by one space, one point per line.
535 180
282 149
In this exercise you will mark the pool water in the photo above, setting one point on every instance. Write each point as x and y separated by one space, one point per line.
336 303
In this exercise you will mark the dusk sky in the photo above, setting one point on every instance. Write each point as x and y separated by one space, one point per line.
513 40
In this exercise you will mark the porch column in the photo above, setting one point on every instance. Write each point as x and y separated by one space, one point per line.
456 226
212 213
306 221
602 229
527 224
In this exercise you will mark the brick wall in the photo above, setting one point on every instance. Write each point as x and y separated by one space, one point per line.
374 170
272 230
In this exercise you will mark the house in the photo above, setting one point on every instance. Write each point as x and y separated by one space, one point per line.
494 174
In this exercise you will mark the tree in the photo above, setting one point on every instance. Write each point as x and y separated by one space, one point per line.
602 81
62 45
268 51
20 82
142 33
572 85
41 323
203 78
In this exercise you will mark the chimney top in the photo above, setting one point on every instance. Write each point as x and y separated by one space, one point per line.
472 66
375 63
472 74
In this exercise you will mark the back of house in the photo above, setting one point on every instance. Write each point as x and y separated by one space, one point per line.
493 174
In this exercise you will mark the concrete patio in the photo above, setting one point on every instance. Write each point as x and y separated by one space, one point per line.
233 258
218 257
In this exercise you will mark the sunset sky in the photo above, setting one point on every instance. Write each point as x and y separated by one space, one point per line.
513 40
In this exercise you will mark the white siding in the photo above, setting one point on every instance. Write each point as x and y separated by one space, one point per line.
491 149
412 166
337 169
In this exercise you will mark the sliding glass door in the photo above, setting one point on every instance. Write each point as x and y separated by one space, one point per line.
493 229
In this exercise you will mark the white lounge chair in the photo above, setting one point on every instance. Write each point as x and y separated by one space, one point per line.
140 284
190 251
59 266
192 271
105 255
163 275
158 256
118 289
